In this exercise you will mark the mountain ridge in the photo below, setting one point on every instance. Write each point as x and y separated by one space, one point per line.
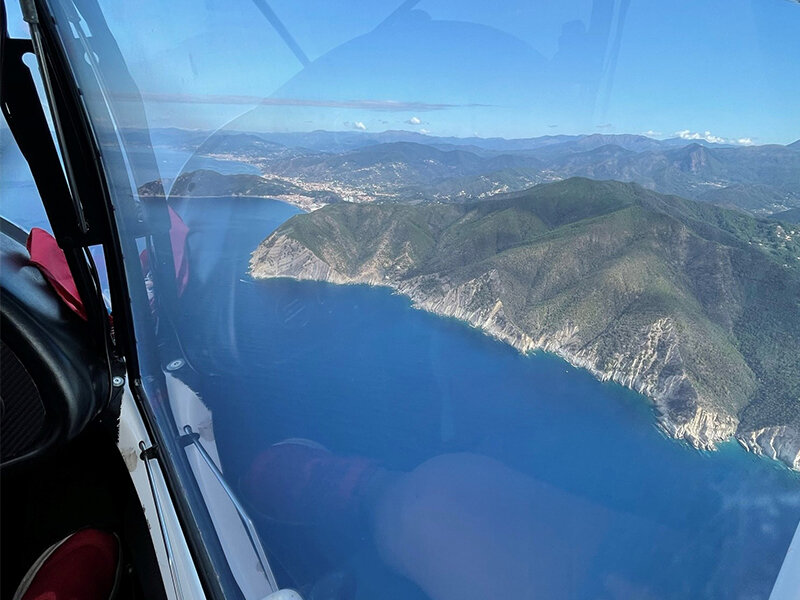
654 292
755 179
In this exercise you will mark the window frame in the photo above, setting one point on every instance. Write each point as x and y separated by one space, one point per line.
92 196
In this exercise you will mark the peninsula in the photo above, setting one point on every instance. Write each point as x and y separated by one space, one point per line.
695 306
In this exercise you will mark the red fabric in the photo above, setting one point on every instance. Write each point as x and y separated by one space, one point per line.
52 262
83 567
178 232
295 483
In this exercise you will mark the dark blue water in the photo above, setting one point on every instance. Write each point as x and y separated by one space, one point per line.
362 372
19 198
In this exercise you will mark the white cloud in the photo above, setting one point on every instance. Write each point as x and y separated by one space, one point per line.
360 126
707 136
424 131
414 121
651 133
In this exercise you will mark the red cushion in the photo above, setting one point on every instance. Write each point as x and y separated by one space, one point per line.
52 262
82 567
296 483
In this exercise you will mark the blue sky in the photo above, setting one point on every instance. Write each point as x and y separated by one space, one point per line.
720 69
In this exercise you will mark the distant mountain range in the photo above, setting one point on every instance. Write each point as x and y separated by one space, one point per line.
695 306
411 167
342 141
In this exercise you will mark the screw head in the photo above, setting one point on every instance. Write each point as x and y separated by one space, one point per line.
118 381
176 364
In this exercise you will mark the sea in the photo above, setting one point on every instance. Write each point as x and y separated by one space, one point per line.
360 371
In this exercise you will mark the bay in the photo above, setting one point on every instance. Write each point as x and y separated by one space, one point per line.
361 371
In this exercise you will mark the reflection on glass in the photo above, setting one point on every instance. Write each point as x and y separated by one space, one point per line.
473 300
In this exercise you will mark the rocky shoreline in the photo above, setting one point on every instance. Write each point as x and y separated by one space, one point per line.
654 371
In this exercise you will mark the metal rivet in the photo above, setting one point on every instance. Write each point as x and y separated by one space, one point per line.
175 364
117 381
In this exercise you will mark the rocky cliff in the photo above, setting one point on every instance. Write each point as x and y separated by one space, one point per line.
609 278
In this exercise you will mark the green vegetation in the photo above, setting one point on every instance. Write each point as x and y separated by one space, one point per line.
610 264
758 180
